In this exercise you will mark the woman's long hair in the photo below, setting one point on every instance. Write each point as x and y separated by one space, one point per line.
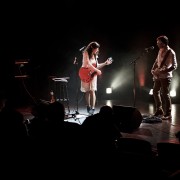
90 47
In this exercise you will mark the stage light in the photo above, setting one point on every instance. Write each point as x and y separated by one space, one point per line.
108 90
151 92
173 93
109 103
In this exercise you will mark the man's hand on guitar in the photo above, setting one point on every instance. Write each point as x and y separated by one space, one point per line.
159 71
156 72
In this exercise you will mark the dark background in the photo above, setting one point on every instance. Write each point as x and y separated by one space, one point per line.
49 36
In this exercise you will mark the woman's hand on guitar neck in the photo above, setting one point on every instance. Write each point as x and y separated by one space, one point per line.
109 61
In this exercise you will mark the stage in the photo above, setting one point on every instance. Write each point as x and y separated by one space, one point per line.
153 131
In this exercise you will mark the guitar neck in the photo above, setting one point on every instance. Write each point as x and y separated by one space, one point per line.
105 63
101 66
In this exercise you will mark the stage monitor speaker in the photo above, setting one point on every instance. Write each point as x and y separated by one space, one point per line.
127 118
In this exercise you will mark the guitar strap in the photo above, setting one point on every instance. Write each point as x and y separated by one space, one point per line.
165 57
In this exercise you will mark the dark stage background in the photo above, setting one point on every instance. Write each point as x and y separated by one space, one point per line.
49 38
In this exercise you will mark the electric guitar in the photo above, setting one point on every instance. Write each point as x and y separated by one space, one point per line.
158 72
86 75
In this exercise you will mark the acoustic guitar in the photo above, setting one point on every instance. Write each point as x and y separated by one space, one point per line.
86 75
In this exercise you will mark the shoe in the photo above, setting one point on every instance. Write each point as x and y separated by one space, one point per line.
88 109
166 117
91 112
159 112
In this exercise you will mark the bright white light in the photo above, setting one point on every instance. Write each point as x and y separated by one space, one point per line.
109 103
172 93
108 90
151 92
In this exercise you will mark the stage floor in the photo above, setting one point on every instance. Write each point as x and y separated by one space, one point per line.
153 132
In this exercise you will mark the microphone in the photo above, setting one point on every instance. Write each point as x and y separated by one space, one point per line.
81 49
75 60
149 48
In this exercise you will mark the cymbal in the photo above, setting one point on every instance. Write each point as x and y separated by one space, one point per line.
66 77
59 79
22 61
21 76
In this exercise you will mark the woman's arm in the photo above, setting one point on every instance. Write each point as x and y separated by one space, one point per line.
87 64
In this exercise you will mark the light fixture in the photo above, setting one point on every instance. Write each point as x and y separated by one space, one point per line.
151 92
108 90
172 93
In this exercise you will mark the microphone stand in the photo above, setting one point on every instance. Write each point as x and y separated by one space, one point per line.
134 73
77 90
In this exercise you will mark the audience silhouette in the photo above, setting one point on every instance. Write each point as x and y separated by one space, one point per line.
48 144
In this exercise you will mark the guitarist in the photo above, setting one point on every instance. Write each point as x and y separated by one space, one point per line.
162 69
91 65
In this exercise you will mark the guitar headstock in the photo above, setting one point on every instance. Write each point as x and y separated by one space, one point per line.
109 60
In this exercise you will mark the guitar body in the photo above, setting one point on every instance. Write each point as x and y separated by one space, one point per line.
158 72
85 74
